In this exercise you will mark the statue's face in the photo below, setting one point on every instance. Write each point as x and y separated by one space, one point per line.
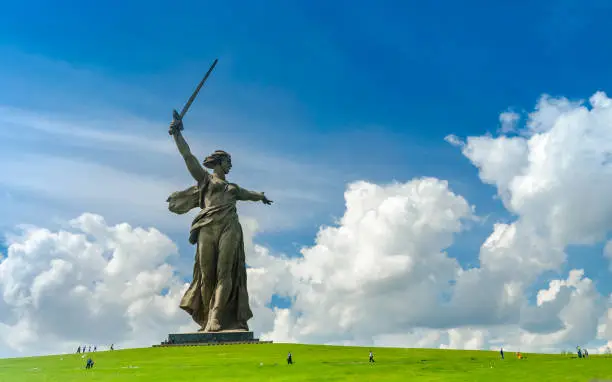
226 165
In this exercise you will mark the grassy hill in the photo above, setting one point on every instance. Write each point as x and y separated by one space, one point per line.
267 362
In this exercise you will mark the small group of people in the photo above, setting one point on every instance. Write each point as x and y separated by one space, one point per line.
89 364
519 355
582 353
86 349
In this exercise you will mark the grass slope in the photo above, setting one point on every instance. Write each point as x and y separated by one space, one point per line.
266 362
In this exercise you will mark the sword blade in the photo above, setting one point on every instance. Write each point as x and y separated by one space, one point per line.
195 93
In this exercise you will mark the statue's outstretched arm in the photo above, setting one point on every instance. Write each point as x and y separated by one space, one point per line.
253 196
193 165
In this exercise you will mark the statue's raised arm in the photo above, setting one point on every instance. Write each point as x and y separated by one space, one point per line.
193 165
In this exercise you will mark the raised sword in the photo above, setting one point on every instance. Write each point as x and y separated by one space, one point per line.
180 116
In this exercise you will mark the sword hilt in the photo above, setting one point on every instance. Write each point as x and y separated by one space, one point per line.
176 117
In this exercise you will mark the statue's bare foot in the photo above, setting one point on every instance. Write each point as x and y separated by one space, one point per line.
213 325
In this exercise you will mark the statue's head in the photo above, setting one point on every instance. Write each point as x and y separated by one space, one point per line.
219 160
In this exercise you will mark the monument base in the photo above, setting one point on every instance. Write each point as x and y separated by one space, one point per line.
211 338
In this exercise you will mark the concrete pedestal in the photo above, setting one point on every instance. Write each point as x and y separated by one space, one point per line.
214 338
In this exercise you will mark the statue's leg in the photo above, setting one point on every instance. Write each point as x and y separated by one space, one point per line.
225 299
207 255
243 310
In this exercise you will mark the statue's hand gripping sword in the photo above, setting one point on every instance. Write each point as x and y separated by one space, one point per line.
179 117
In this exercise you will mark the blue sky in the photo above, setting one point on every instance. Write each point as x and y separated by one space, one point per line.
360 92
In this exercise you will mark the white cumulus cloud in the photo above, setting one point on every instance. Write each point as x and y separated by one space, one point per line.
508 121
91 283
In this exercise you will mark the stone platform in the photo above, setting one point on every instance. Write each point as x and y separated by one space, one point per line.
211 338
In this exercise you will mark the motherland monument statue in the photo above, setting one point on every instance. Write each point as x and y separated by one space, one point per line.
217 298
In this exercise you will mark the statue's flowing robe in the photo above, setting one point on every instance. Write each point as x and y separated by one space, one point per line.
219 275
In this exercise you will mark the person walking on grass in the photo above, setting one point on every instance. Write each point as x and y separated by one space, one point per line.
371 357
501 352
289 359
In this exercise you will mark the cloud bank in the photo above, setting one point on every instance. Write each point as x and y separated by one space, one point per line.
380 275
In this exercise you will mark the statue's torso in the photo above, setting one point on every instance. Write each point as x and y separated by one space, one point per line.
219 192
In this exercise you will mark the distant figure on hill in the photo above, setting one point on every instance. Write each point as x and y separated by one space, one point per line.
519 355
579 351
79 350
371 356
289 359
90 364
95 348
586 353
501 352
112 347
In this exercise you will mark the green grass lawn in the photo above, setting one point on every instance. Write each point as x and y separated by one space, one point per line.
267 362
